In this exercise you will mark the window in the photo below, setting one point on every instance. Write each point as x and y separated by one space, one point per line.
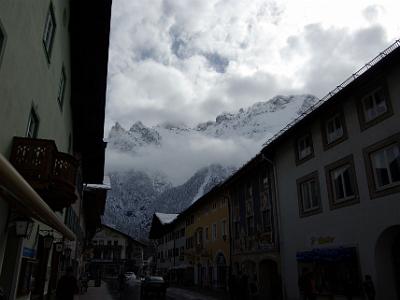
33 124
237 229
309 195
115 243
223 228
250 225
101 242
61 88
206 233
304 148
374 105
49 32
2 41
333 130
108 243
214 231
266 219
342 184
382 162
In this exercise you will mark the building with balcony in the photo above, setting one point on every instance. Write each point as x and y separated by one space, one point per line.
114 252
53 72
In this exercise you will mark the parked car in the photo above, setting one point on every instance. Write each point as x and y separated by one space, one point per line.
153 286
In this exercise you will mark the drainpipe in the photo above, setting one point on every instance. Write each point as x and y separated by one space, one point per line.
230 239
277 202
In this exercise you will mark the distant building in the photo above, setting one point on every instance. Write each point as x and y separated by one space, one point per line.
193 247
114 252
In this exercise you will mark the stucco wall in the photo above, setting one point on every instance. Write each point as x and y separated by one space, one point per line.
357 225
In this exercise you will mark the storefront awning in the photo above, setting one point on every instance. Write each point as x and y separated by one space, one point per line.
25 199
327 254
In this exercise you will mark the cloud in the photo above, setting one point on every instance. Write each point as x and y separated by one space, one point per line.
191 151
186 61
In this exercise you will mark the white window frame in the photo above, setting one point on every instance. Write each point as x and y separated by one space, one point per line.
61 88
49 31
373 113
338 131
306 151
386 165
307 184
33 124
333 176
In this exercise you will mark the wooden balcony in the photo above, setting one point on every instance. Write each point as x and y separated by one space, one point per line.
51 173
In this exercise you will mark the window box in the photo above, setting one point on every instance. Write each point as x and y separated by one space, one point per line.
342 183
304 149
382 161
374 105
309 196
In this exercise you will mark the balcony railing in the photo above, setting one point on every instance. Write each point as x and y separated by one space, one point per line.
51 173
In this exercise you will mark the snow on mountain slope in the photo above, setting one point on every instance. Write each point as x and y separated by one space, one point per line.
146 187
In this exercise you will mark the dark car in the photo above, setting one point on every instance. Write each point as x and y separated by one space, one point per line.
153 286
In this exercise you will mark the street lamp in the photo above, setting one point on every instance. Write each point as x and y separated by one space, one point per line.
23 227
48 241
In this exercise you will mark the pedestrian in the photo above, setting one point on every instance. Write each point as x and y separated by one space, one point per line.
84 282
2 296
67 286
121 281
253 289
307 285
244 286
369 288
233 282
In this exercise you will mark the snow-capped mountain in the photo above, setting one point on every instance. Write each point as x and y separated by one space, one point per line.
139 192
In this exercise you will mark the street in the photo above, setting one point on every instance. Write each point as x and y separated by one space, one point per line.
109 291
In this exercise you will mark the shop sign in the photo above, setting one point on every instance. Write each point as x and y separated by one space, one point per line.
28 252
322 240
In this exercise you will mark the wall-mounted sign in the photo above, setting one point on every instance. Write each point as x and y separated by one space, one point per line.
322 240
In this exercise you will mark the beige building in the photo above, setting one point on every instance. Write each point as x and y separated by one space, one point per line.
53 69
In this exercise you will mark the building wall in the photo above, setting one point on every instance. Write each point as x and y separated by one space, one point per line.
27 78
358 225
212 211
106 235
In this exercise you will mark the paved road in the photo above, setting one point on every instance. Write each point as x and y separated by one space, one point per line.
132 292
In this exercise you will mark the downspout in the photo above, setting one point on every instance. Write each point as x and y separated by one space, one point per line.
230 239
278 223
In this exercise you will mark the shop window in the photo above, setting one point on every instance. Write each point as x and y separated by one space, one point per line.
309 195
27 271
304 148
342 183
49 32
374 105
33 124
61 88
383 166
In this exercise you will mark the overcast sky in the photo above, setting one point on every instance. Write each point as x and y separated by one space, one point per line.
189 60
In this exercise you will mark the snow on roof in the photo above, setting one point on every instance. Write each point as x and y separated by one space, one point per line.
106 185
166 218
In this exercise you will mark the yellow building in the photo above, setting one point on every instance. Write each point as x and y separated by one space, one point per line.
207 239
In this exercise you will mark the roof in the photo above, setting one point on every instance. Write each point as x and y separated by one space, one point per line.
106 185
383 56
123 234
166 218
